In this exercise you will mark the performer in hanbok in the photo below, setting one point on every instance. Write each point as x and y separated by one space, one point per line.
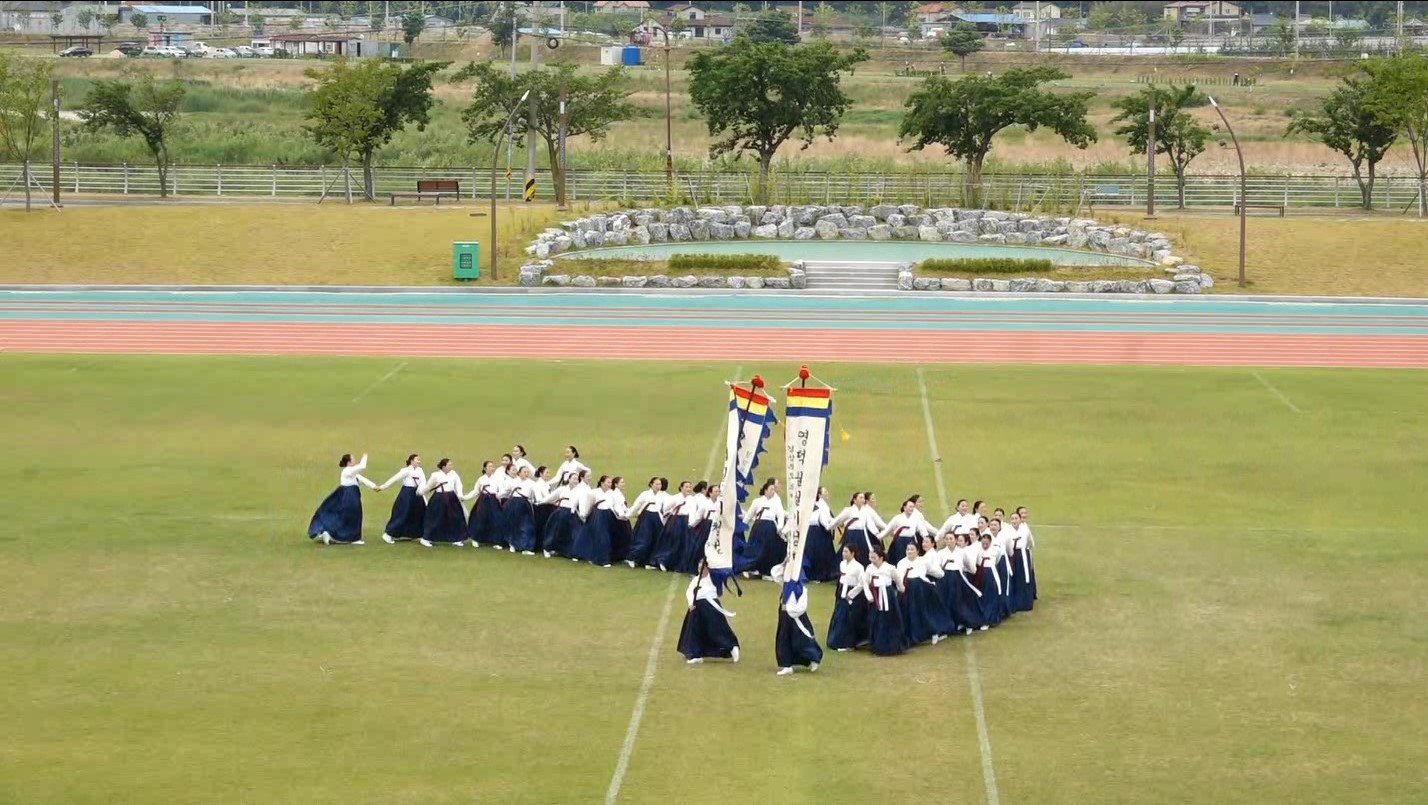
410 507
519 459
484 525
794 643
648 521
1001 542
848 628
519 512
699 516
907 527
619 526
882 584
961 567
989 582
924 617
593 543
706 632
766 546
339 517
571 465
876 524
585 499
1023 582
559 529
820 558
857 526
445 519
670 543
962 521
544 498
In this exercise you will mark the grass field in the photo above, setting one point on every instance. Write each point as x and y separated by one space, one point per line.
373 245
1230 612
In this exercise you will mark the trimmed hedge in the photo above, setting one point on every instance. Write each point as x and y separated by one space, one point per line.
732 263
978 266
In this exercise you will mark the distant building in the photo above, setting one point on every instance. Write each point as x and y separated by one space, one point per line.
687 12
172 15
618 6
991 22
352 45
1028 11
1186 11
933 13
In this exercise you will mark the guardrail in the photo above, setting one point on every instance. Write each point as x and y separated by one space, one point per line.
1009 191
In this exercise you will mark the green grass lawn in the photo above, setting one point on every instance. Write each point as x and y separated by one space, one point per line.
1230 612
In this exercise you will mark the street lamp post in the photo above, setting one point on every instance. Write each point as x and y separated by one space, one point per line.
495 159
668 126
1244 200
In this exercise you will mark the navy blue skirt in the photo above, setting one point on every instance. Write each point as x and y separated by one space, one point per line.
966 604
848 628
1005 570
764 549
990 604
445 519
858 540
592 541
885 633
542 518
1023 586
706 633
642 542
484 527
408 512
793 647
559 532
667 548
520 524
339 514
925 615
897 549
619 532
693 550
820 561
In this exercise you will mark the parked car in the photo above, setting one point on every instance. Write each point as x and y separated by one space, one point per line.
130 48
243 51
220 53
76 52
265 51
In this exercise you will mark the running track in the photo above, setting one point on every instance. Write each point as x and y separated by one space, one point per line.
911 327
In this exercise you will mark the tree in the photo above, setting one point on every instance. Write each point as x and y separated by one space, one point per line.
741 11
144 107
1346 123
1347 39
770 26
85 17
356 108
1178 135
963 116
822 21
679 26
914 29
56 20
1177 36
225 19
592 103
755 96
1399 97
109 22
24 101
962 41
1282 36
413 23
503 27
139 20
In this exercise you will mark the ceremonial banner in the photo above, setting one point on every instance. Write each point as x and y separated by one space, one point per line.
751 418
807 416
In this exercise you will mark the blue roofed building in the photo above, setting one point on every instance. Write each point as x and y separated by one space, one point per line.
172 14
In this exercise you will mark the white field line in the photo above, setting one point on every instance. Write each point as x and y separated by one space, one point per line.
383 379
974 677
627 749
1276 392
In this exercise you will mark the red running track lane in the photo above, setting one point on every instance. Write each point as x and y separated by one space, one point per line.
722 343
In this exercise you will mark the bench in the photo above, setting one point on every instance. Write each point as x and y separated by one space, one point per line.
431 188
1249 207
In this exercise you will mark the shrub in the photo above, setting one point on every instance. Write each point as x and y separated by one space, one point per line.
985 265
724 262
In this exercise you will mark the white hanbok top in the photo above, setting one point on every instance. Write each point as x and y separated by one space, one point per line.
541 492
522 489
649 499
567 497
676 504
766 507
409 476
850 579
822 515
701 588
796 605
700 508
903 525
876 524
352 475
912 569
522 462
1023 539
584 499
485 484
879 583
854 517
443 481
569 466
958 524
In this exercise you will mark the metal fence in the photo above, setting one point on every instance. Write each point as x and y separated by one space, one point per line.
1006 191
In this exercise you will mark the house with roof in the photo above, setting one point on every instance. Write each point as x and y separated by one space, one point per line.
1028 11
621 6
172 15
991 22
686 11
935 13
1191 11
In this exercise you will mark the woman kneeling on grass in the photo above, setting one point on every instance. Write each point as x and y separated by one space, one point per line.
339 517
706 632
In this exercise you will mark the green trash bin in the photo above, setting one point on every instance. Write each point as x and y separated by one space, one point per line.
466 260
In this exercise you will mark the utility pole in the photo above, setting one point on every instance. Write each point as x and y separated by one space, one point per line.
531 115
800 16
54 143
1399 37
510 124
1150 161
564 126
1296 31
1036 32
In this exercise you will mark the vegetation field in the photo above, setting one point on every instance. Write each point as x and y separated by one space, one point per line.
1230 591
250 112
304 243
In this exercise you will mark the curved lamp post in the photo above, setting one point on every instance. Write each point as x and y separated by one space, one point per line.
1244 200
495 157
668 139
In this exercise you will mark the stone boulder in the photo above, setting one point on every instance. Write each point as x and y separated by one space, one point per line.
687 281
1001 286
634 282
926 283
981 284
1055 240
713 215
765 231
905 233
904 280
594 238
908 209
1186 277
1103 286
1187 287
699 230
882 211
963 236
713 282
855 233
659 233
583 281
736 282
679 232
558 280
1161 286
837 219
1206 281
619 222
1021 285
997 238
880 232
896 220
658 281
862 221
798 278
617 237
1078 287
1049 286
743 228
721 231
756 212
956 284
608 282
778 283
640 235
804 233
530 276
784 230
826 229
755 283
928 233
